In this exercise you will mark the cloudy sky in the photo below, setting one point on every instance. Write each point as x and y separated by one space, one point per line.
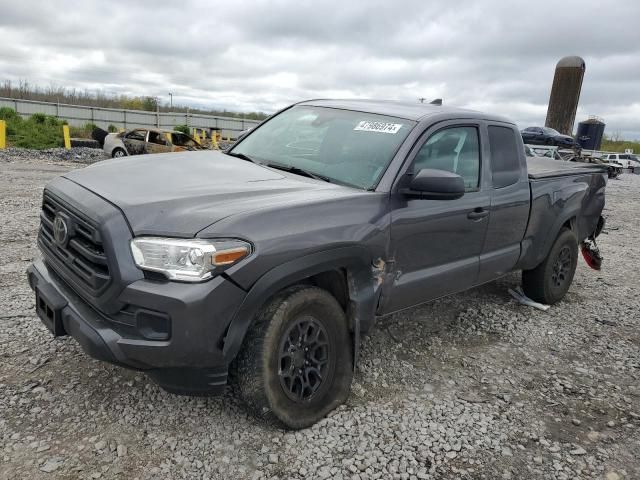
497 56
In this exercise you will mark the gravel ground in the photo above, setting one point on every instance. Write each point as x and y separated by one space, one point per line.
471 386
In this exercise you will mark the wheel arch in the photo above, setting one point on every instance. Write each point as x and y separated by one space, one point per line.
119 147
568 220
345 272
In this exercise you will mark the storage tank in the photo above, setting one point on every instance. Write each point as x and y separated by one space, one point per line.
565 93
590 133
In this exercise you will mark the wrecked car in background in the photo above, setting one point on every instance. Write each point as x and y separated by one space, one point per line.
144 140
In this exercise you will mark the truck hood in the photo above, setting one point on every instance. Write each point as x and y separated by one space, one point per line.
179 194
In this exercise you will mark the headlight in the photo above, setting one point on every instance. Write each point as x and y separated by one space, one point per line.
187 260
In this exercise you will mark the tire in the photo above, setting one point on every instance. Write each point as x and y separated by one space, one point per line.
266 372
549 282
118 153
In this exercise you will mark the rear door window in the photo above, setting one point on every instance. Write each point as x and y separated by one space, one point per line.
505 160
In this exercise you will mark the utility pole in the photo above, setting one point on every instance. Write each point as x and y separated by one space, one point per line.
171 99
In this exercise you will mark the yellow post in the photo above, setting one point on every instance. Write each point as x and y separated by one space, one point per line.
3 134
196 137
214 141
67 137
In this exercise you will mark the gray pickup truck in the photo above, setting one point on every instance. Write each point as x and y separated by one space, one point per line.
266 263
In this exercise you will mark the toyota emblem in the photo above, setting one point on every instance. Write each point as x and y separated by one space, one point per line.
60 230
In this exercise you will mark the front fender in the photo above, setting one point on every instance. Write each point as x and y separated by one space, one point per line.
354 259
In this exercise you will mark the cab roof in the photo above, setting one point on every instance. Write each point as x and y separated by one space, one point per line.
408 110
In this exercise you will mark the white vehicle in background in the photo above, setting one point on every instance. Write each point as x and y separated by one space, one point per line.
627 160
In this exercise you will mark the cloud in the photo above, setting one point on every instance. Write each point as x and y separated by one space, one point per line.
262 55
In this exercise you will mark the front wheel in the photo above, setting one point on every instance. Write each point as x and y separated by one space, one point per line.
296 362
549 282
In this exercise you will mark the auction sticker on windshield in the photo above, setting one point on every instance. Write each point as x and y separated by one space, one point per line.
382 127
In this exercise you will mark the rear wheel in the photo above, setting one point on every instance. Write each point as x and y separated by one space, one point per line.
549 282
118 153
296 363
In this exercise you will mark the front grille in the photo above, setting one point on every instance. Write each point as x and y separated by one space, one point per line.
81 258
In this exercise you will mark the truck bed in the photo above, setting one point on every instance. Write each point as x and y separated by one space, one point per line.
540 168
562 193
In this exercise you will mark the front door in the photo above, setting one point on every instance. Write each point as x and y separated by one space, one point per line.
436 244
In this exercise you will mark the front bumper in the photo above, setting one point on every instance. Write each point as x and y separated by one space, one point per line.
183 352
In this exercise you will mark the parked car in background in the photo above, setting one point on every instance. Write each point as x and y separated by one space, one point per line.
547 136
145 140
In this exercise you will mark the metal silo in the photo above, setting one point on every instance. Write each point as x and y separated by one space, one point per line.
565 93
590 133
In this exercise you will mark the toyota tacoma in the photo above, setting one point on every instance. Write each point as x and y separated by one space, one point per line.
262 266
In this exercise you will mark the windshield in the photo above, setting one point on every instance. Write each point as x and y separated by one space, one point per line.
347 147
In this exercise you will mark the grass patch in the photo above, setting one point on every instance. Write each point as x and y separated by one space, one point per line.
82 132
182 128
39 131
614 145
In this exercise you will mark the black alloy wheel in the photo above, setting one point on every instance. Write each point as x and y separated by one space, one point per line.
562 267
305 357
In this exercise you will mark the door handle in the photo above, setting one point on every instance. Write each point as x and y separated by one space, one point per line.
477 214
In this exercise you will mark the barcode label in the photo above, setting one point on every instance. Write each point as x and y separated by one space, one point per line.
381 127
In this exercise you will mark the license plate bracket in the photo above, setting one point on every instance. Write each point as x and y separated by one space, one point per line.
49 305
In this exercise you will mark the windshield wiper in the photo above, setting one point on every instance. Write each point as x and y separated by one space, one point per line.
298 171
242 156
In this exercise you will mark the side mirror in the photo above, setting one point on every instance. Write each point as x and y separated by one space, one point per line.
435 184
